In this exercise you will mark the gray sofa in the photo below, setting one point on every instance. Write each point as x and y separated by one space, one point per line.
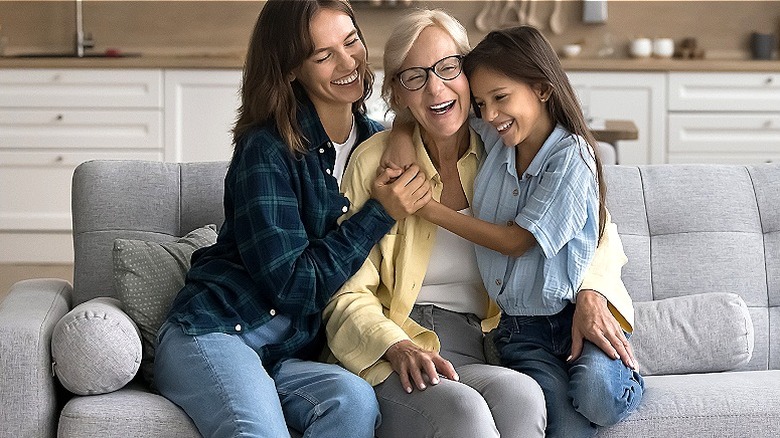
703 243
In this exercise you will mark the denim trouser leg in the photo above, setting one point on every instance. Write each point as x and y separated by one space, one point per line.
220 382
603 389
593 389
326 400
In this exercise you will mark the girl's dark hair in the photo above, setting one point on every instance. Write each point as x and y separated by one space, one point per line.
524 54
280 43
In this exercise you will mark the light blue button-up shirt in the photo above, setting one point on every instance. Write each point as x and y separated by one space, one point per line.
556 199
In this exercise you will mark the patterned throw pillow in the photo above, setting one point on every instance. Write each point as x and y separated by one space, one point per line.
147 277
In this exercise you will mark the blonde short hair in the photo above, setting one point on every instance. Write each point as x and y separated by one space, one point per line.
404 36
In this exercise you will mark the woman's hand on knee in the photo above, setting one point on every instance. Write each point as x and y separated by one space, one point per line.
415 366
593 321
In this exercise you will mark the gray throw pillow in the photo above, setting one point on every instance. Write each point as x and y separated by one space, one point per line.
95 348
700 333
147 277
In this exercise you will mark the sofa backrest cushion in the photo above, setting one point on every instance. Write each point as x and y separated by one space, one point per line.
141 200
691 229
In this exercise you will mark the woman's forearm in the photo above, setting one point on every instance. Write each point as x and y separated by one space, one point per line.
509 239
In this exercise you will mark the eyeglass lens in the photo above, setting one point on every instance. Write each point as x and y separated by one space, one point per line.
416 77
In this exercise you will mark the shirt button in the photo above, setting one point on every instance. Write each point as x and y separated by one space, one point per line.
272 312
344 209
515 192
498 282
509 223
322 151
238 327
327 171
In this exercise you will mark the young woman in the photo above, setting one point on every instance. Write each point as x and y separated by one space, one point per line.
538 216
235 352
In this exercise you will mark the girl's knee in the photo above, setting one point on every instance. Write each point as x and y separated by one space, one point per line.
606 401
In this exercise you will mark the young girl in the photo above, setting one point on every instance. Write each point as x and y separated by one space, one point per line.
538 215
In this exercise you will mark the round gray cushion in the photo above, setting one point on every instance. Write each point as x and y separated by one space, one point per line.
96 347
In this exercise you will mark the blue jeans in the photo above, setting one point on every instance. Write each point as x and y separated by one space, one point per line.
594 390
220 382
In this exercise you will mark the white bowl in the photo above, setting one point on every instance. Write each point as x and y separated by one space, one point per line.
571 50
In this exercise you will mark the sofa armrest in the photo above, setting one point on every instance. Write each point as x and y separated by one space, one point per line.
27 387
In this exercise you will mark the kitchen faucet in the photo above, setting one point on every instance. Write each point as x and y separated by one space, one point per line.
82 42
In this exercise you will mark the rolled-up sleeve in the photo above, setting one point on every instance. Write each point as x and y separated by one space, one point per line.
557 210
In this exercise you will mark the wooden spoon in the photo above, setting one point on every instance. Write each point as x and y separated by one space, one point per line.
533 20
483 20
556 20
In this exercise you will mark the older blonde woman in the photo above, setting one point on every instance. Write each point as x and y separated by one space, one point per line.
417 308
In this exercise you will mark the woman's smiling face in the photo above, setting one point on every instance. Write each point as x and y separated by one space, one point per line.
441 107
334 73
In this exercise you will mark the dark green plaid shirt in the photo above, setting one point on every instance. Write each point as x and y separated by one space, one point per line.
280 249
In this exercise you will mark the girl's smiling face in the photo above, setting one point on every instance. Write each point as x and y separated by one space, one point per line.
516 109
334 73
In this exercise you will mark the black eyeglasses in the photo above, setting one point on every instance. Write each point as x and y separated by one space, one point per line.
447 69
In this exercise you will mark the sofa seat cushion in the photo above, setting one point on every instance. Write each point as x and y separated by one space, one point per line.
130 412
147 277
733 404
95 348
700 333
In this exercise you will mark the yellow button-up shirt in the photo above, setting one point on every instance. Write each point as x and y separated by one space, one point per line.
371 311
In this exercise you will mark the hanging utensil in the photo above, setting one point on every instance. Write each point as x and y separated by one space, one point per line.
484 18
522 15
532 19
556 19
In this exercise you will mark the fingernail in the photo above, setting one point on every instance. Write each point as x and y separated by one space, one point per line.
457 377
568 359
408 389
422 386
435 381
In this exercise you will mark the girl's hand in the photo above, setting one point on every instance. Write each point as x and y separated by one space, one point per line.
401 193
415 365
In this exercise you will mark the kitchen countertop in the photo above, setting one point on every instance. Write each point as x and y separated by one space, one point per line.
236 61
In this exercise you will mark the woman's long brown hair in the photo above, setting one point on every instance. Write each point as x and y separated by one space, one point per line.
280 43
524 54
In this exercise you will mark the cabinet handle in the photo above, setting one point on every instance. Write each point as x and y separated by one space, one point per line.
59 159
768 80
768 124
59 117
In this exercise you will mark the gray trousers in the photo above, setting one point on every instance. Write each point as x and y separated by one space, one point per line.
488 401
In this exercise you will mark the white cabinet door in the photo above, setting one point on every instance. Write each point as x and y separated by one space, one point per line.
724 91
200 110
730 117
83 88
51 120
639 97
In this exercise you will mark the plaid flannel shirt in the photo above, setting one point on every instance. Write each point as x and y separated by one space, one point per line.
280 250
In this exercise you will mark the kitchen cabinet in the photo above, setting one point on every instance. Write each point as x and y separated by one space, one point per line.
636 96
50 122
200 110
724 118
